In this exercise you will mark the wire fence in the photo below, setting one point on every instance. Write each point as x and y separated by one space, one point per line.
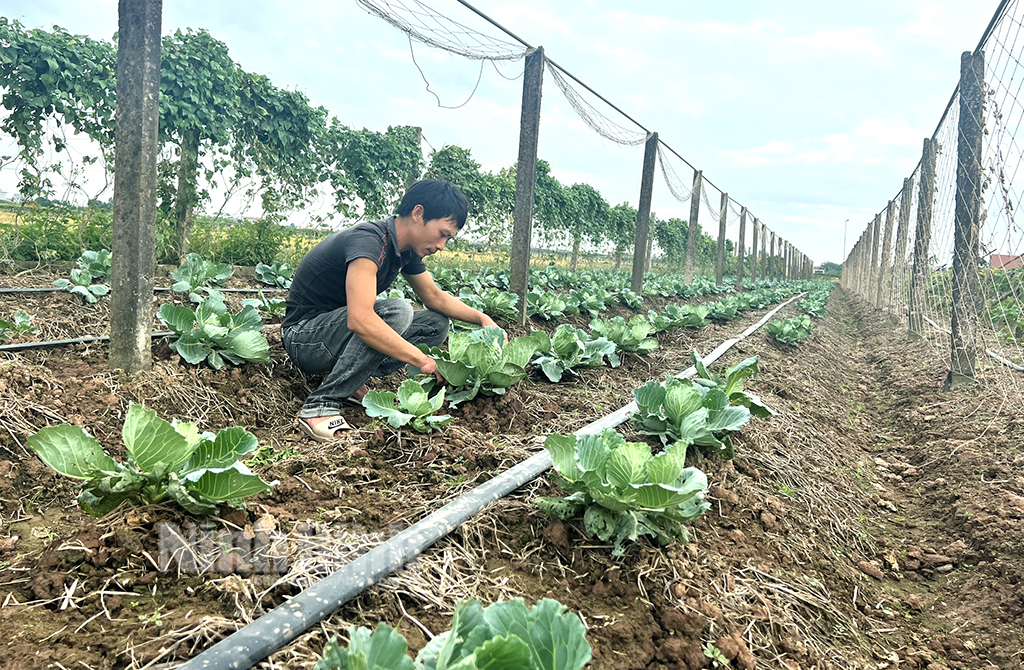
946 255
425 25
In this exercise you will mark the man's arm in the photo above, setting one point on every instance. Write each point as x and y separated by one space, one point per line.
361 292
434 298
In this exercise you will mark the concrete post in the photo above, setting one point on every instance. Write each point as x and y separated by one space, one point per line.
872 286
740 250
694 230
642 245
526 177
902 232
134 208
885 259
720 266
922 240
967 298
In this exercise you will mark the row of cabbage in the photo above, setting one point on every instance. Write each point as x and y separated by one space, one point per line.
620 490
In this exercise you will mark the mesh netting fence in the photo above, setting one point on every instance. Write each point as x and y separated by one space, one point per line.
945 257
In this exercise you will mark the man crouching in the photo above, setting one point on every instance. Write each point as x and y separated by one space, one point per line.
335 325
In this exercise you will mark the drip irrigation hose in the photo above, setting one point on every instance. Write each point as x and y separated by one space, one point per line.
252 643
991 354
85 340
63 343
156 289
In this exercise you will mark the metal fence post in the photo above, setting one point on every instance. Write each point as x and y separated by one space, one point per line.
922 240
967 296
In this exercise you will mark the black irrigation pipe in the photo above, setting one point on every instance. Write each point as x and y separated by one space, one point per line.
991 354
254 642
49 344
50 289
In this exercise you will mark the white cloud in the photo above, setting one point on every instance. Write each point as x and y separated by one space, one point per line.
869 143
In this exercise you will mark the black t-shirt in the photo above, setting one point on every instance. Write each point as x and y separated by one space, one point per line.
319 282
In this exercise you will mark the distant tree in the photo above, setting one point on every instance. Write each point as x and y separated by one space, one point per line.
621 230
671 235
199 106
491 196
275 140
370 167
831 268
586 217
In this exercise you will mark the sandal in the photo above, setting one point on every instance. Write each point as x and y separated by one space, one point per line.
324 432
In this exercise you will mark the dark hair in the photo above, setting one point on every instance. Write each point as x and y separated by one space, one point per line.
440 198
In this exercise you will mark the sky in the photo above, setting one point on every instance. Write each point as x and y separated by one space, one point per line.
810 114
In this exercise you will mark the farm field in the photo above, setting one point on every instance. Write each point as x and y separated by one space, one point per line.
874 523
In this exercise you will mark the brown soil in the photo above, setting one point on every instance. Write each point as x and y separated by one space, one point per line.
875 523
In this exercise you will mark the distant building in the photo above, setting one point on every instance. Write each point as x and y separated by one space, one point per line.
1005 261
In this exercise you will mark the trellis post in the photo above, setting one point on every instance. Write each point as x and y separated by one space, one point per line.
741 250
134 207
694 228
764 250
902 232
865 264
642 246
772 268
922 240
967 298
885 258
720 266
754 256
872 286
526 177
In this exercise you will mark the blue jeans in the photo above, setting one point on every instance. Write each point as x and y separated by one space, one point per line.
323 344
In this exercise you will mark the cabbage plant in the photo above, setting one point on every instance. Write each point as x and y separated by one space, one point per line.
631 299
631 336
491 301
503 636
274 306
415 408
622 490
93 266
167 462
212 334
479 361
572 348
791 331
704 411
197 273
676 316
20 324
545 305
278 274
726 309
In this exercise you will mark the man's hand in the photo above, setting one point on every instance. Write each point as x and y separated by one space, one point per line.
488 322
430 368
